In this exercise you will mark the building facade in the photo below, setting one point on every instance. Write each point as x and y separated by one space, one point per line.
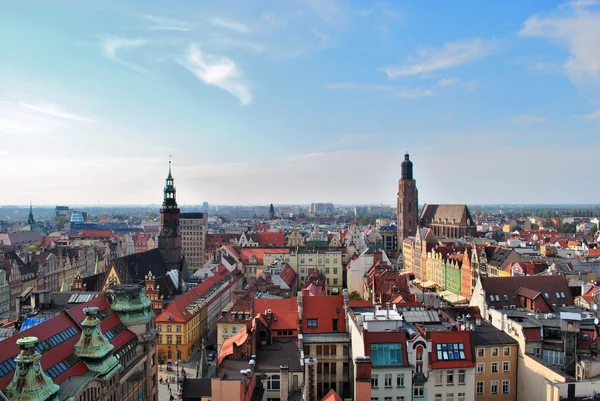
193 228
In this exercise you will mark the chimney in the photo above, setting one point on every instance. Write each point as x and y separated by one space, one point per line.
377 256
284 388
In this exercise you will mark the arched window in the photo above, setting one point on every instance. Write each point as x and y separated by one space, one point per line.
274 382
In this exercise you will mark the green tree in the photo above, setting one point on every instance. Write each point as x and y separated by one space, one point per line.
59 222
593 230
354 296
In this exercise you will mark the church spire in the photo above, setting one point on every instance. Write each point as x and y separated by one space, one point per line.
30 219
169 201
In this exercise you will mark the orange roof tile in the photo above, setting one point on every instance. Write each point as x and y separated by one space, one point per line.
331 396
227 347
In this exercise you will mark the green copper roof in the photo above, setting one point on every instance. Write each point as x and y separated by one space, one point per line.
130 303
92 348
30 383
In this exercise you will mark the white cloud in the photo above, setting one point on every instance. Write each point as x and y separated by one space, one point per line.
323 36
218 71
167 24
593 116
408 93
57 111
111 44
332 12
14 122
578 27
528 119
447 81
451 55
230 24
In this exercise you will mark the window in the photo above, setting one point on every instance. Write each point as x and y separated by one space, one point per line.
479 388
450 377
335 270
562 295
313 323
388 398
388 380
418 391
505 386
586 337
335 281
159 327
400 398
480 352
438 378
546 295
374 398
506 351
505 366
461 377
557 295
386 354
169 340
273 382
334 323
449 396
374 381
178 340
400 380
420 354
233 329
179 328
494 387
554 357
327 270
494 367
453 351
494 351
505 297
168 328
461 396
497 298
480 368
438 397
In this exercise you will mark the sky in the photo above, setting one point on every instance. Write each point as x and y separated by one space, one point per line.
299 101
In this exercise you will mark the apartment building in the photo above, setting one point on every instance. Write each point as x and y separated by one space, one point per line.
193 228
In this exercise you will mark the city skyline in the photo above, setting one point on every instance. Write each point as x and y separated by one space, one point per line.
299 102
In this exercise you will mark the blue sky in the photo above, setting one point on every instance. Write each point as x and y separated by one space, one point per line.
299 101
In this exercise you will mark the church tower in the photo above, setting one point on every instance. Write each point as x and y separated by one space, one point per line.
169 239
408 203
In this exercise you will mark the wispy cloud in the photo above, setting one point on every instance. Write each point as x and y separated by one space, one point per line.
324 37
447 81
36 118
593 116
230 24
528 119
577 25
242 44
112 44
218 71
400 92
451 55
57 111
332 12
167 24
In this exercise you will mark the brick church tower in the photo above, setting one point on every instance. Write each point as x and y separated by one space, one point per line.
169 239
408 203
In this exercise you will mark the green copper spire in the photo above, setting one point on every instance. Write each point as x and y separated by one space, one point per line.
30 219
30 383
131 304
93 349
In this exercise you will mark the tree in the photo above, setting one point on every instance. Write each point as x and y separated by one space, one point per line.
354 296
567 228
162 358
593 230
59 222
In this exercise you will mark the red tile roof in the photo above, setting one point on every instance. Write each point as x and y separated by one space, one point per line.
594 252
177 309
331 396
271 238
325 309
450 337
285 310
71 318
227 347
96 234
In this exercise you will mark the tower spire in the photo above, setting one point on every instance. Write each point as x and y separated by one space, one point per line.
30 219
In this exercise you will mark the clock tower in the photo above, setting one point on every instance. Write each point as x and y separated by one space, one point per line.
169 240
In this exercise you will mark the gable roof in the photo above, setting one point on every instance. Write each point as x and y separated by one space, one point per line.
453 214
136 267
507 288
331 396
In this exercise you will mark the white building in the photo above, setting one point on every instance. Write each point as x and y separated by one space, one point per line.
358 268
193 228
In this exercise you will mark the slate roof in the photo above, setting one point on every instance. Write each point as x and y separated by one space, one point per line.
454 214
135 267
485 334
510 286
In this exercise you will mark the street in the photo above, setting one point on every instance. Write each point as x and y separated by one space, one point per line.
429 298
